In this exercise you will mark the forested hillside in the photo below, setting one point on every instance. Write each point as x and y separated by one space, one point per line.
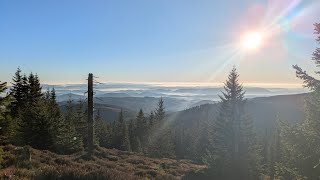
265 111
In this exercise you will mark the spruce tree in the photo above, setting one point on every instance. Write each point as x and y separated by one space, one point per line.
275 152
145 135
140 119
59 126
37 127
34 90
121 135
101 131
52 105
301 142
151 120
232 153
201 138
80 121
18 92
124 135
131 131
161 139
7 124
309 81
138 145
160 111
68 140
179 143
141 131
4 99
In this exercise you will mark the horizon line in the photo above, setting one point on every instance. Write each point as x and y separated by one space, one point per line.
188 84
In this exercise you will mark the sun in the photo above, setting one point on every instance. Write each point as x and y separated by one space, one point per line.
252 40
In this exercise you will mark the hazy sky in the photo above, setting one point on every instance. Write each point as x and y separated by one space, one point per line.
156 40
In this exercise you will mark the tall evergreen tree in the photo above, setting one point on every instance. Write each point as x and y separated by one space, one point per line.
36 127
7 124
232 153
141 131
151 120
19 92
300 142
81 121
132 135
52 105
101 131
161 140
121 135
68 140
124 137
309 81
34 89
140 120
275 152
160 111
3 99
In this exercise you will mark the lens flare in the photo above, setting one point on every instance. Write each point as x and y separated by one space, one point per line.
252 40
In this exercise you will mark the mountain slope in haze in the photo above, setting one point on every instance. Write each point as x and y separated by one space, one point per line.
107 112
202 103
66 97
264 111
114 94
194 93
147 104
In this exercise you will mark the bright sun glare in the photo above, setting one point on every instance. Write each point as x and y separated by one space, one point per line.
252 40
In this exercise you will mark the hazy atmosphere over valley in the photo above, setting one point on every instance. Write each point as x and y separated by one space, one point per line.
160 90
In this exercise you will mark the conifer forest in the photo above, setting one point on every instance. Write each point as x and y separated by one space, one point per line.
142 131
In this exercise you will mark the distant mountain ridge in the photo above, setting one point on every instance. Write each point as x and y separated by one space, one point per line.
146 103
193 93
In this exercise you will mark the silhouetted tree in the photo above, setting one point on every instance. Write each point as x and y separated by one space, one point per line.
68 140
101 131
161 140
8 125
301 142
121 135
233 153
309 81
19 92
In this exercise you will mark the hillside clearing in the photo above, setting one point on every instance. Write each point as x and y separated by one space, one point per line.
104 164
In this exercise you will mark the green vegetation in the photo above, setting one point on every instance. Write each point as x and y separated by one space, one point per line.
300 143
51 144
233 152
103 164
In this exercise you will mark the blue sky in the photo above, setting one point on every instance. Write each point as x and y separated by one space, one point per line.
155 41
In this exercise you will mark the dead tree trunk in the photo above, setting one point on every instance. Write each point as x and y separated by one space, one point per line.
90 113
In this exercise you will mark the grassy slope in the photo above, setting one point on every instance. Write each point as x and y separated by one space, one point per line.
104 164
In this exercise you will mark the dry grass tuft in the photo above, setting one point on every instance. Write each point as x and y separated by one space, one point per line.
103 164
